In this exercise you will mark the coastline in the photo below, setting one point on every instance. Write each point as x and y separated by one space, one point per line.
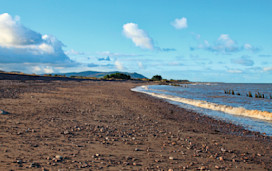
104 125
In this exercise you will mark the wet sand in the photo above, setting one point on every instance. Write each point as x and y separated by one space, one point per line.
91 125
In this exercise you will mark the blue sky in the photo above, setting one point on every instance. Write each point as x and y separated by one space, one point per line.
211 40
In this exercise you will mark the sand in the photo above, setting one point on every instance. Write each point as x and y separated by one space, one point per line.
92 125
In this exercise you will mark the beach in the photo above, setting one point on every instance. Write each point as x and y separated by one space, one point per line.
72 124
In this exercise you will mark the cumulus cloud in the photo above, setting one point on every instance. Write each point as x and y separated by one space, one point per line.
140 65
236 71
119 65
19 44
180 23
249 47
138 36
267 69
104 59
244 60
114 54
223 44
74 52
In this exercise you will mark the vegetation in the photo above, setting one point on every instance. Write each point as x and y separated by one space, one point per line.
118 76
156 78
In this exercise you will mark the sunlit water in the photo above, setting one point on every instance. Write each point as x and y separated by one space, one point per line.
210 99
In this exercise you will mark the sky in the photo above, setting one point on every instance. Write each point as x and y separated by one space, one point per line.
196 40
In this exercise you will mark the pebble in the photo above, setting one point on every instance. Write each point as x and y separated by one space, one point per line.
217 167
171 158
223 150
19 161
221 158
34 165
66 132
137 149
2 112
203 168
59 157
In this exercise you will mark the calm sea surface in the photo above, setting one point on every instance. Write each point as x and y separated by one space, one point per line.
210 99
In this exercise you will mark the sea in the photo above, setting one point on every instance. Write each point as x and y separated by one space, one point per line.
247 105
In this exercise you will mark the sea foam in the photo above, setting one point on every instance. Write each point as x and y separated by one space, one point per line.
212 106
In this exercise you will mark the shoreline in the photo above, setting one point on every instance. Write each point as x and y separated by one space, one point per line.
104 125
263 116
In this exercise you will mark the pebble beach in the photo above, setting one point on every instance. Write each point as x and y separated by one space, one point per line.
55 124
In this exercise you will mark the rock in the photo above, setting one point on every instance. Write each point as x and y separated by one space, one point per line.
171 158
35 165
217 167
223 150
2 112
221 158
59 157
19 161
202 168
66 132
137 149
136 164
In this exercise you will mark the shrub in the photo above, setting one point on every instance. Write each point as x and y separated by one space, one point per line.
118 76
156 78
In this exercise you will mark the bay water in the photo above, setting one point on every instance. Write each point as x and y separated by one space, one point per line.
248 105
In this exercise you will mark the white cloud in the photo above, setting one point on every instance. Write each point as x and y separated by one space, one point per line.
140 65
13 33
113 54
223 44
42 69
74 52
48 69
138 36
19 44
267 69
244 60
235 71
119 65
36 69
180 23
249 47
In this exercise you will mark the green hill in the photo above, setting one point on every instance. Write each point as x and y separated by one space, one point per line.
98 74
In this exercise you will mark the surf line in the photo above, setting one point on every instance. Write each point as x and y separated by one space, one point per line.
213 106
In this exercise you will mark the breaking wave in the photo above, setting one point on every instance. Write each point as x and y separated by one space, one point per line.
212 106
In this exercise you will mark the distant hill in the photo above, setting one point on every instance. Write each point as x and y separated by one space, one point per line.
98 74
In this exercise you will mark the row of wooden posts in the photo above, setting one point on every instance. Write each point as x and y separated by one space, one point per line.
249 94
